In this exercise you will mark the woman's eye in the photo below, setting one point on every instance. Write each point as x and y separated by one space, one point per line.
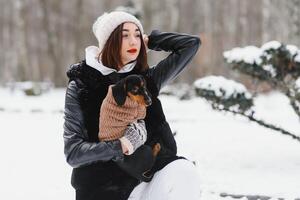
138 35
125 35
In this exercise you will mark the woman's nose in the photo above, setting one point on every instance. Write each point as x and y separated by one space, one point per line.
133 40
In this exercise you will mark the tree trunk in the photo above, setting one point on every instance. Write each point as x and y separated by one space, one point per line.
20 38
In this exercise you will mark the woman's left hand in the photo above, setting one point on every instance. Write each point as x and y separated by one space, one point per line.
135 136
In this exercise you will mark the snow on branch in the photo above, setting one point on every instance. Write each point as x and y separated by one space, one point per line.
272 62
224 93
297 85
230 96
249 54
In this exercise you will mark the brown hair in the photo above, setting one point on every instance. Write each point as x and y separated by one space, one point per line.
111 53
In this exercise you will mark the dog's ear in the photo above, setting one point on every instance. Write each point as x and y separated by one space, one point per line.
119 92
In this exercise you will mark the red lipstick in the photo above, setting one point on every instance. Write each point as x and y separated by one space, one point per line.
133 50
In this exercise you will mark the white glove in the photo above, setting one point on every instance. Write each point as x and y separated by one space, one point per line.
135 136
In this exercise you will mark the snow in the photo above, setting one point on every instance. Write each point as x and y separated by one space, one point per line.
252 54
248 54
297 57
271 45
219 83
17 101
232 155
292 49
270 69
297 84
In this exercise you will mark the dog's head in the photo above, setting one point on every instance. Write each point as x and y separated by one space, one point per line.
133 86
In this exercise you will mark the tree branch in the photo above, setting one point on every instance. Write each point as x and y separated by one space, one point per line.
262 123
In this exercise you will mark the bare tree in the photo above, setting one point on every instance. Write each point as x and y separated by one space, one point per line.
21 40
54 59
40 38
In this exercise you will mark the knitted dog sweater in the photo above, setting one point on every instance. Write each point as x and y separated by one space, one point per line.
114 119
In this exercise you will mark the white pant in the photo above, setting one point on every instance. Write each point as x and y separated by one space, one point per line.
177 181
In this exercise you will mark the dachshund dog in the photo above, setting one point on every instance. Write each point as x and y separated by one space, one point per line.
133 86
125 103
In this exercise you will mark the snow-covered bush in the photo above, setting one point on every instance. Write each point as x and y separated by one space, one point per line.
295 93
223 93
297 86
273 62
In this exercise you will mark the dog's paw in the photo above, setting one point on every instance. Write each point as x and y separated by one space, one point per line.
156 149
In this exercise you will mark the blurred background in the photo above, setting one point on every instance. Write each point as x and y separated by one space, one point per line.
39 39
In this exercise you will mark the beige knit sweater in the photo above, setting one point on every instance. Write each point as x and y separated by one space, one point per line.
114 119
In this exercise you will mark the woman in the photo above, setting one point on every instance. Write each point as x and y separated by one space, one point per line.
121 52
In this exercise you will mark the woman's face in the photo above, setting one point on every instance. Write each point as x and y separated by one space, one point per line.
131 43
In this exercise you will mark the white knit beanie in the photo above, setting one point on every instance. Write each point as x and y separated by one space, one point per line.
108 22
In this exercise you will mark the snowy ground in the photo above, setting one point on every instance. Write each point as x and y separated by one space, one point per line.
233 155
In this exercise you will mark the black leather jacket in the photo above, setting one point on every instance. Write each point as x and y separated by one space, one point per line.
77 148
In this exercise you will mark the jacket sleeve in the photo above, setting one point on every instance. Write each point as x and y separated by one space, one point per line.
183 47
78 151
